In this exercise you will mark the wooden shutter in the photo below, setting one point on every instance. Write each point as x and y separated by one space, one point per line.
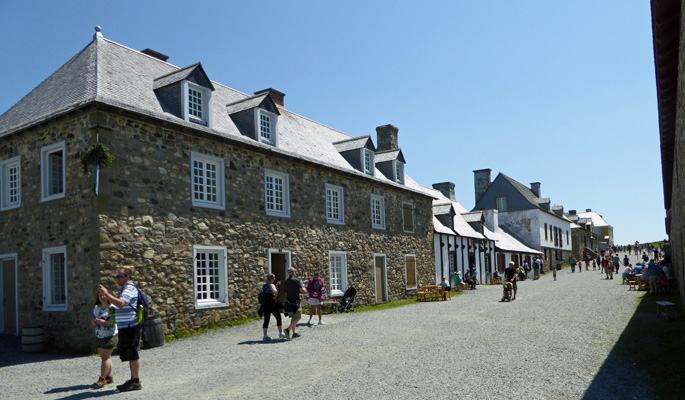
411 271
408 217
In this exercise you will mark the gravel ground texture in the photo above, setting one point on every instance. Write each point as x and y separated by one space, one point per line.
557 340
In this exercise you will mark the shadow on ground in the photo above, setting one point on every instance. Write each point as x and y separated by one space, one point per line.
11 354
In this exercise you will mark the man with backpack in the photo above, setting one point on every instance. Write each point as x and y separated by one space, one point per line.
127 323
293 288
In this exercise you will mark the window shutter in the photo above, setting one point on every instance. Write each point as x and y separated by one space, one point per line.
408 217
411 272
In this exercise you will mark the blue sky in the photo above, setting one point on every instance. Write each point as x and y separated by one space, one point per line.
561 93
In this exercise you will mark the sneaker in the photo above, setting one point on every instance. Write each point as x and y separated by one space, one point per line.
296 335
266 338
108 380
100 383
287 333
309 323
321 323
130 385
281 335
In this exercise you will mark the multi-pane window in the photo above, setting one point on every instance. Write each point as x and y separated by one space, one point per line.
10 184
408 217
55 279
52 168
399 172
210 276
207 176
266 126
368 161
337 266
546 232
335 212
277 193
195 103
377 212
410 271
502 204
452 262
568 241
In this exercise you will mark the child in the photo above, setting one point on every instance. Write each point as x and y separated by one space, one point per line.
105 339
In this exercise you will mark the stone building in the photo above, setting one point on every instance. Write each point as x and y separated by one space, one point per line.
669 53
210 190
601 229
583 236
525 215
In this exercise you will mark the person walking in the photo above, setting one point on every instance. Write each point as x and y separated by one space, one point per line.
573 264
105 338
293 288
654 274
127 324
510 276
536 268
315 288
270 307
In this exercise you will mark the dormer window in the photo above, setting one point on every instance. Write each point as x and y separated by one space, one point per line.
196 104
399 171
368 157
266 126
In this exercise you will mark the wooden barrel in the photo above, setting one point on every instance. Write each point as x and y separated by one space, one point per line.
153 332
32 338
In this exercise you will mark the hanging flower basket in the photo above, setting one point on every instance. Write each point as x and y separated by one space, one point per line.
97 153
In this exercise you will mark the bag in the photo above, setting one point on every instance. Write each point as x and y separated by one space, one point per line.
265 297
291 307
143 310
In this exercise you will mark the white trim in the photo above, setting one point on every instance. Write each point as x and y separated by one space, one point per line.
4 183
375 286
341 204
206 104
273 126
412 217
398 171
288 258
343 273
222 300
381 200
220 203
45 170
372 161
3 258
416 274
285 194
48 284
505 202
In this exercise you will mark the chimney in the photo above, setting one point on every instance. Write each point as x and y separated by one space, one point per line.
276 96
571 212
386 136
535 188
491 217
481 182
155 54
446 188
588 210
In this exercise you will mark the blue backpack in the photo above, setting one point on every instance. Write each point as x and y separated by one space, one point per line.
143 309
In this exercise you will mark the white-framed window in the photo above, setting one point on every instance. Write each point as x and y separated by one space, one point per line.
53 171
410 271
377 212
55 279
451 262
277 193
197 106
502 205
368 161
266 126
408 217
337 266
10 183
399 171
210 276
207 181
335 205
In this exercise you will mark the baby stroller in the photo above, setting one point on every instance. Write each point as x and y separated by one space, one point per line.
347 299
506 294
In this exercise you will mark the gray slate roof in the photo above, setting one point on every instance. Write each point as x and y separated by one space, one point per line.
109 73
353 144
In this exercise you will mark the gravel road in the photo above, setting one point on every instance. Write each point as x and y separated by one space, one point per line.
556 341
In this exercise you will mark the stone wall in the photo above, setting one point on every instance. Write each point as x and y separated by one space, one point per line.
677 229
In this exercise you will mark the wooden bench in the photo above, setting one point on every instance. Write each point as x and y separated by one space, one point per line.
332 306
633 285
496 281
667 307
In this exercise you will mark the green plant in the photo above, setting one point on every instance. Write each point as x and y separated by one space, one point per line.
98 151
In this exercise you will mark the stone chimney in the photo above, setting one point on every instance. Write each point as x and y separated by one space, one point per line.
276 96
588 210
535 188
571 212
386 136
491 218
481 182
446 188
155 54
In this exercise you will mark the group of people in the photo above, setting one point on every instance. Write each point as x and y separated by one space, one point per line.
292 286
651 273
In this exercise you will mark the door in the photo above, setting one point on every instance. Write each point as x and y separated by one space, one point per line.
279 262
381 279
8 284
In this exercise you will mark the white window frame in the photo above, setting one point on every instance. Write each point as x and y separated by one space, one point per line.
222 265
412 217
46 171
416 274
285 195
206 104
368 168
337 290
48 280
220 203
340 220
398 171
5 182
381 201
273 121
502 204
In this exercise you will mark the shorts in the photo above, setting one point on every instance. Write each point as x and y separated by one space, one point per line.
653 279
294 315
314 302
106 343
129 343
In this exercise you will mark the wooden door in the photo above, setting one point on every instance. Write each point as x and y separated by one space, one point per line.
279 266
381 279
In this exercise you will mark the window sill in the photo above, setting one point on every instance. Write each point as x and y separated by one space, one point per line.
209 205
210 304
